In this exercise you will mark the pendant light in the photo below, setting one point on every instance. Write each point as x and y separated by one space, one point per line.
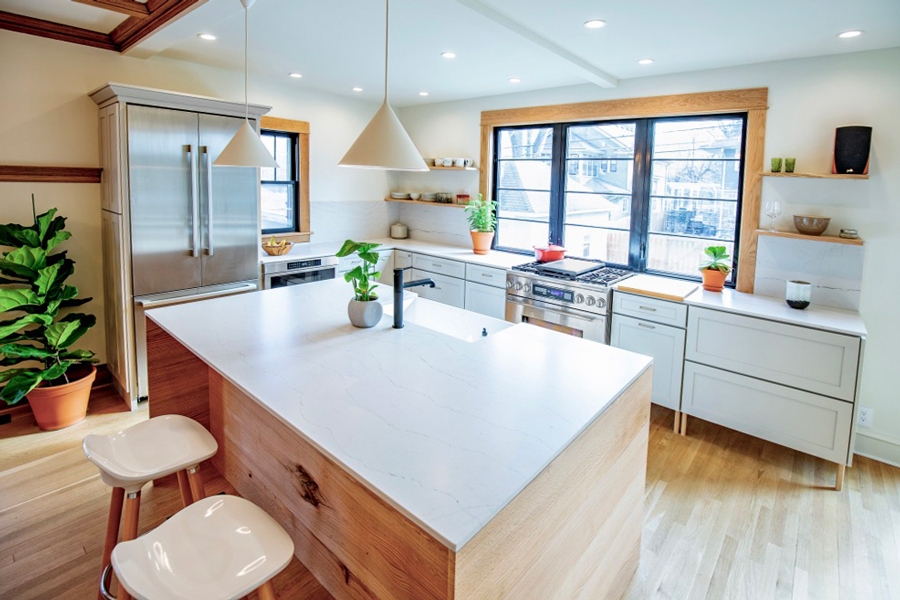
246 149
384 143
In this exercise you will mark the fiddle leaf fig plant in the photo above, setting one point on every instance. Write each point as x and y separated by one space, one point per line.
33 291
717 261
480 213
364 276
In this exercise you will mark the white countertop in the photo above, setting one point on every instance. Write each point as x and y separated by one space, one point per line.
837 320
445 430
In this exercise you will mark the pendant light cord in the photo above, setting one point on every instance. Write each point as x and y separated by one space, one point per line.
246 62
387 18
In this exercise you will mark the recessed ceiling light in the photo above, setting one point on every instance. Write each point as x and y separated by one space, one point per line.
357 89
448 54
850 34
595 24
645 61
423 93
296 75
515 80
207 36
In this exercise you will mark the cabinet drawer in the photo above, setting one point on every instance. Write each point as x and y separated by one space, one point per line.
800 420
650 309
486 300
662 342
439 265
808 359
486 275
402 259
447 290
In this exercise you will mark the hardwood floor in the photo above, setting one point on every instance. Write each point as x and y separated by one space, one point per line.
726 516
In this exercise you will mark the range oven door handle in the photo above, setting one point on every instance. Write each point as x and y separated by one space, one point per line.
553 309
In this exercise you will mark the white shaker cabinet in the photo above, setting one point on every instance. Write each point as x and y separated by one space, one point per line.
486 300
665 344
447 290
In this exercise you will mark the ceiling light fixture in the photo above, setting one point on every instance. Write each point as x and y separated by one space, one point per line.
595 24
207 36
246 149
295 75
850 34
645 61
423 93
357 89
515 80
448 54
384 144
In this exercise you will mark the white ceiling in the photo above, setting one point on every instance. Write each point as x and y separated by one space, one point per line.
338 44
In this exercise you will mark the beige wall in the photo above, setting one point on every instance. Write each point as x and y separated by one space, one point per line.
47 118
807 99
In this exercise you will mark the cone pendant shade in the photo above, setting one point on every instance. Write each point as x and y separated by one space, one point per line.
245 150
384 144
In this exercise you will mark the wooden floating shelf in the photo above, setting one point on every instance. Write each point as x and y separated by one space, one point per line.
426 203
432 168
813 238
816 175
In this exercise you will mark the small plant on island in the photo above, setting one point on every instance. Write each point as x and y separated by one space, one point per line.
363 310
715 268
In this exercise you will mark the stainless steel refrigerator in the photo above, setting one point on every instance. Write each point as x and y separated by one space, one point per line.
175 228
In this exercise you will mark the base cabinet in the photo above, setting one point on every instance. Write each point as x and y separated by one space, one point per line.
664 343
447 290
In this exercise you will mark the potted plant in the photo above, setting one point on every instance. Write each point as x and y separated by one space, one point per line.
364 310
55 378
715 269
482 222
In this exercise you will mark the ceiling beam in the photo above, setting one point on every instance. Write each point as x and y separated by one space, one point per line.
579 65
131 31
55 31
132 8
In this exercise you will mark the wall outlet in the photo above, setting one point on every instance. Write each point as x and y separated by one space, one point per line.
866 416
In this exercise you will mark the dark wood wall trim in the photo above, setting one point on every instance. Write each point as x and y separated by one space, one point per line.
50 174
55 31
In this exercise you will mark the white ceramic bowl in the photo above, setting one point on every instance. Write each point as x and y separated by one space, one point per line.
415 196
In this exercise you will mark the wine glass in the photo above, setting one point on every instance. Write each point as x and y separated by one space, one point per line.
773 210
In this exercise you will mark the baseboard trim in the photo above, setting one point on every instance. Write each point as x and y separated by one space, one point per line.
877 446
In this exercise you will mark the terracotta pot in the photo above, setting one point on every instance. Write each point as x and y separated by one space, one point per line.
713 280
59 406
364 314
481 241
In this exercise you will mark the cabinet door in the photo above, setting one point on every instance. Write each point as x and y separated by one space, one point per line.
651 309
665 344
486 300
386 266
110 159
402 259
447 290
451 268
348 263
486 275
118 311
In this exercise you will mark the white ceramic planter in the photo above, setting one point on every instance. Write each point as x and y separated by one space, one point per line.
364 314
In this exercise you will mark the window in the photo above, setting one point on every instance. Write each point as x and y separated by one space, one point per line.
280 188
649 194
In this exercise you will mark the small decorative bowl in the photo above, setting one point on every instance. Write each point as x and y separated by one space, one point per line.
811 225
278 250
415 196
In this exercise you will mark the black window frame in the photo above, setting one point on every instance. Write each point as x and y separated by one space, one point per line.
294 180
639 232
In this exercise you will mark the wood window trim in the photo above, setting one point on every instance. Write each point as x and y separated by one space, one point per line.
753 101
301 128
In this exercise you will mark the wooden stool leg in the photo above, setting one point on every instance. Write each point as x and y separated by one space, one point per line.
266 591
839 478
112 528
677 426
130 527
196 481
185 487
684 423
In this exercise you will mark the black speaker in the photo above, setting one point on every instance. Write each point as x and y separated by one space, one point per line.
851 149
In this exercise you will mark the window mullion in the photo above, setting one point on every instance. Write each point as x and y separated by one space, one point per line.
640 199
558 184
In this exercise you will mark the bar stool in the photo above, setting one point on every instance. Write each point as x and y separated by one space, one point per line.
220 548
129 459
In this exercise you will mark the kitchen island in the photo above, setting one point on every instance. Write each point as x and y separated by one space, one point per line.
426 462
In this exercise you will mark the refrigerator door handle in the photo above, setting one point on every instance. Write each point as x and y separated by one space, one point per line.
209 200
195 207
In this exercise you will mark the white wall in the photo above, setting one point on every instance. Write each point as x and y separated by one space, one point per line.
807 100
47 118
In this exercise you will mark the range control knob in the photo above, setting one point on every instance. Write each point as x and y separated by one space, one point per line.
591 301
527 287
579 299
601 303
518 286
510 284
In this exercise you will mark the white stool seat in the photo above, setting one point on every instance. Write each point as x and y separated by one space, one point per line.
154 448
219 548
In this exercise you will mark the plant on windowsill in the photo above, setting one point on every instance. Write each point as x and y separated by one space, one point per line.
56 379
364 309
482 222
715 269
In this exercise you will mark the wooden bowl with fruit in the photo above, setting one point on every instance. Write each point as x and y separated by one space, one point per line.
274 247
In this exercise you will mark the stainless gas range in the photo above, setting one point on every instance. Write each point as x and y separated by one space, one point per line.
570 295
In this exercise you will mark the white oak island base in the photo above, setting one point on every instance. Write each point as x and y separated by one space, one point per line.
573 532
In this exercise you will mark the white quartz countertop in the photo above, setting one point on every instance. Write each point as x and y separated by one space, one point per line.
448 431
836 320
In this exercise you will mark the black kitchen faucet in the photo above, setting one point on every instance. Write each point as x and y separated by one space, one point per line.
399 286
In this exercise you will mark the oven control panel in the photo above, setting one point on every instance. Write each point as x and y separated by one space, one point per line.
543 291
584 298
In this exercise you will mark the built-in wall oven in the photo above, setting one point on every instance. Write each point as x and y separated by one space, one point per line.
298 272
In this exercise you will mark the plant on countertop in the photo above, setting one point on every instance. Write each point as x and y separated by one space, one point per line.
364 276
715 269
33 292
481 215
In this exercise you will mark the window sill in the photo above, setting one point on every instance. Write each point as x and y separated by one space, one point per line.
297 237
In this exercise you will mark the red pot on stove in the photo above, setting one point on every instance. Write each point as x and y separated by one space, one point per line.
549 253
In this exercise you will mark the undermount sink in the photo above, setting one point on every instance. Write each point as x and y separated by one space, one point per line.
455 322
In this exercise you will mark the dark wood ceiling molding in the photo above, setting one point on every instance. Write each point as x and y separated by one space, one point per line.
132 8
20 173
55 31
132 30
